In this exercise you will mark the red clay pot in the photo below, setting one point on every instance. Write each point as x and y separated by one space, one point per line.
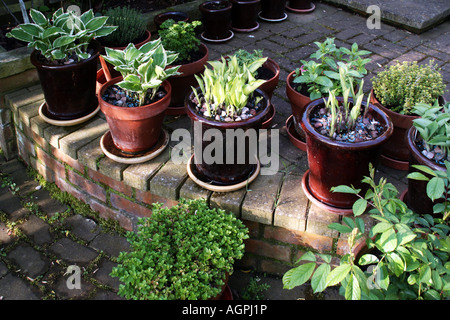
270 85
244 14
181 84
416 197
174 15
216 19
298 104
69 90
225 173
273 9
135 130
333 163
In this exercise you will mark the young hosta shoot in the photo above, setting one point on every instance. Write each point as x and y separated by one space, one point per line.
62 36
144 69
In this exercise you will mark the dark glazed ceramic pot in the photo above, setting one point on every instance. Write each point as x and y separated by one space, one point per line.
300 6
225 173
69 90
216 20
333 163
138 129
273 10
244 15
174 15
416 197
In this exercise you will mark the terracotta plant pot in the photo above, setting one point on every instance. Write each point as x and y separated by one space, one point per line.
298 104
181 84
216 20
416 197
69 90
135 130
174 15
333 163
273 10
223 174
270 85
244 15
300 6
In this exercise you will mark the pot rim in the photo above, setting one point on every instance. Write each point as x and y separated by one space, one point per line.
308 128
291 90
203 48
203 5
410 137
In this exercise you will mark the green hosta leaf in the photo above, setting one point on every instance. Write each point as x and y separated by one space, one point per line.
32 29
130 86
63 41
87 16
318 281
338 274
38 17
298 276
19 34
96 23
58 54
51 32
104 31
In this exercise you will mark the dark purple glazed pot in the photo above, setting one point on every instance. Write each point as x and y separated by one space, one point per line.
300 4
244 14
333 163
225 173
216 19
69 90
273 9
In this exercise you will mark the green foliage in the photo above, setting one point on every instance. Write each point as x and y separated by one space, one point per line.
144 69
255 289
131 24
63 35
403 85
412 260
244 57
321 75
180 37
228 85
180 253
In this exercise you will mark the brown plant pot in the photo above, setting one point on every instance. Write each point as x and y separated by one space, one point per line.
135 130
181 84
177 16
270 85
244 15
298 104
69 90
300 6
216 20
223 174
416 196
273 10
333 163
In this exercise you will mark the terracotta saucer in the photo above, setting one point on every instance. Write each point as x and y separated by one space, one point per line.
394 164
272 20
114 153
256 27
313 7
320 204
218 40
44 114
202 182
268 120
293 135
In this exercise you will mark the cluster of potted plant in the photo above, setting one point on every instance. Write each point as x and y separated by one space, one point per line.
186 252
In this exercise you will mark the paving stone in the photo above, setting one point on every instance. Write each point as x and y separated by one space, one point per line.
168 181
6 236
37 229
14 288
84 228
3 269
102 274
73 252
47 204
12 206
112 244
29 261
63 291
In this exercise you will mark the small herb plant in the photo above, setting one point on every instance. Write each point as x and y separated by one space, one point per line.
144 69
131 25
180 253
227 87
321 74
401 86
65 36
180 37
245 57
412 259
433 126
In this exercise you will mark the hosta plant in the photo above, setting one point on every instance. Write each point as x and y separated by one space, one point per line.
180 253
144 69
63 37
408 255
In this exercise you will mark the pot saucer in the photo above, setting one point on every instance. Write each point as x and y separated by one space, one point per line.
313 7
246 30
44 114
202 182
320 204
114 153
269 118
272 20
218 40
394 164
293 135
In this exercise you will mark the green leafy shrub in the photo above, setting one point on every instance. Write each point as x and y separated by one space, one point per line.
131 25
403 85
180 37
180 253
245 57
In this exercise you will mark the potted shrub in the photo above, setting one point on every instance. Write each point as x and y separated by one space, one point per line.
65 56
134 104
273 10
132 28
216 19
244 15
403 258
301 6
176 16
319 75
192 57
396 90
341 133
429 145
227 100
178 254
